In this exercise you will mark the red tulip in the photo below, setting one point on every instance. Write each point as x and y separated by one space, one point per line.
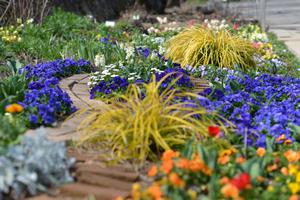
213 131
242 181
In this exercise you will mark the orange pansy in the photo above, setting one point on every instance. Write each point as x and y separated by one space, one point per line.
280 138
230 191
176 180
224 180
284 171
14 108
261 152
183 163
155 192
271 168
153 171
240 160
169 154
223 159
167 166
292 156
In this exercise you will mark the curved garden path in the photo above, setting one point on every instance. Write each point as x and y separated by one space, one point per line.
93 177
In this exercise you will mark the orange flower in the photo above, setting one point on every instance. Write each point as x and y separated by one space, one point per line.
183 163
224 180
284 171
119 198
287 142
271 168
14 108
280 138
240 160
153 171
196 165
206 170
169 154
294 197
155 192
223 159
260 152
230 190
292 156
167 166
228 152
176 180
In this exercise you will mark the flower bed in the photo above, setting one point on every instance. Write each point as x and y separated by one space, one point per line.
236 139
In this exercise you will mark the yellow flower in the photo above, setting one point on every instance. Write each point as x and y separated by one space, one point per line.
192 194
298 177
294 187
270 188
135 192
293 169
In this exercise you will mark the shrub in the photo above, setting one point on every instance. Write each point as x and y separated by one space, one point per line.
144 123
200 46
33 166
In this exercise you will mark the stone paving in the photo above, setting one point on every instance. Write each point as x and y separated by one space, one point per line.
282 18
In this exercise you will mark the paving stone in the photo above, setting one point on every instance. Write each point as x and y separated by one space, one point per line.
78 77
109 172
84 190
105 181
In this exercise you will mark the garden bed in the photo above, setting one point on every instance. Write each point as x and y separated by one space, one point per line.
206 112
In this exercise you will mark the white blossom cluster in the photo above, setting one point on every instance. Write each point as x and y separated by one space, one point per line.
216 24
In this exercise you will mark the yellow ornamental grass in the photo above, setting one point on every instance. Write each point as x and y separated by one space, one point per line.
139 128
199 46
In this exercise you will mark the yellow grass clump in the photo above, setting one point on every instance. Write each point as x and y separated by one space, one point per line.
200 46
139 128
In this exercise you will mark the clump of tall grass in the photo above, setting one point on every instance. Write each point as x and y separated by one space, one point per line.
146 122
202 46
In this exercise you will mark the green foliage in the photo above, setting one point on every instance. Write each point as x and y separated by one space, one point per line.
47 40
139 127
12 90
292 61
11 130
199 46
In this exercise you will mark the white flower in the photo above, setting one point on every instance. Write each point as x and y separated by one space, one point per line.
110 23
131 78
114 75
136 17
29 21
100 60
162 20
105 71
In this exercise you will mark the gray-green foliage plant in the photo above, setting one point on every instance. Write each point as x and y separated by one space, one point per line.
33 166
